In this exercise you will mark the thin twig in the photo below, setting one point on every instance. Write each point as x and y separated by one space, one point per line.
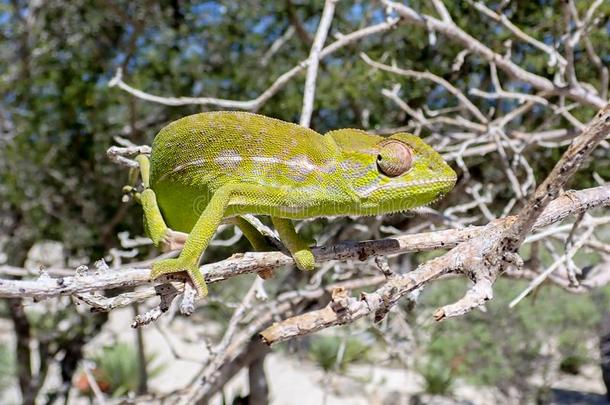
243 263
455 33
314 60
276 86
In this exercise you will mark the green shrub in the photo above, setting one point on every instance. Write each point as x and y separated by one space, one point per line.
7 367
117 368
501 347
438 377
336 353
573 351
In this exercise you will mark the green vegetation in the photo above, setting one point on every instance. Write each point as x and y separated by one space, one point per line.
7 368
335 353
504 348
116 370
58 117
438 378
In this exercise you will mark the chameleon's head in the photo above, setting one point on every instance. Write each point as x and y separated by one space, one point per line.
396 173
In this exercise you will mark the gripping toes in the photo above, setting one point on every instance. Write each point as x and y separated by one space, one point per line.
304 259
169 266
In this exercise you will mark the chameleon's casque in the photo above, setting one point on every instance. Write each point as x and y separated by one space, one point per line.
211 166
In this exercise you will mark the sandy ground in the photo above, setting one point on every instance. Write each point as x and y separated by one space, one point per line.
291 380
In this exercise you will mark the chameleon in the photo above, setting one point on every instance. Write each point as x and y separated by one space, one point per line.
214 167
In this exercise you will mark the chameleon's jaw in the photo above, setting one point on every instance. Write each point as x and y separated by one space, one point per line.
448 184
441 184
445 184
401 198
425 192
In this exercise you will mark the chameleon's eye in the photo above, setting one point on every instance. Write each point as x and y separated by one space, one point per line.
394 158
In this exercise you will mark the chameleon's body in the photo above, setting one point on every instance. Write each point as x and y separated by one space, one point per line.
211 166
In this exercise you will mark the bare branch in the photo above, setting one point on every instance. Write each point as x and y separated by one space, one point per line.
568 44
442 11
99 395
47 287
544 275
569 163
118 154
554 56
280 82
314 60
432 77
478 294
455 33
211 379
464 258
277 45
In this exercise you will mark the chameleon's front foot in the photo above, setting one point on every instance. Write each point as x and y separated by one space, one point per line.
304 259
168 266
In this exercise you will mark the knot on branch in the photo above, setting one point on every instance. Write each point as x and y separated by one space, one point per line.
339 302
118 77
384 301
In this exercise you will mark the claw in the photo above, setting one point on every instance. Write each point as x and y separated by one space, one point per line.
169 266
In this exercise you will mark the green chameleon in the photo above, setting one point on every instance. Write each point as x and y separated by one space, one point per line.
213 167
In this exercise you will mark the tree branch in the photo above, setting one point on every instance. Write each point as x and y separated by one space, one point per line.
482 258
314 60
243 263
280 82
455 33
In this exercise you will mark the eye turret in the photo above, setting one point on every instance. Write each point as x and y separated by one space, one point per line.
394 158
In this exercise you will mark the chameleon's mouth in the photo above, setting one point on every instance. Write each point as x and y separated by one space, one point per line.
401 196
437 185
434 189
449 182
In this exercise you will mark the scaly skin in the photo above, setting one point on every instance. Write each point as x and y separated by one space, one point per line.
211 166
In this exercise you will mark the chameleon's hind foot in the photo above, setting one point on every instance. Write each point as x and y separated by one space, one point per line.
296 244
169 266
304 259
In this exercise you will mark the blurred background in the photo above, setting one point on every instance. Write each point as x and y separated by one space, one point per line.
61 206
